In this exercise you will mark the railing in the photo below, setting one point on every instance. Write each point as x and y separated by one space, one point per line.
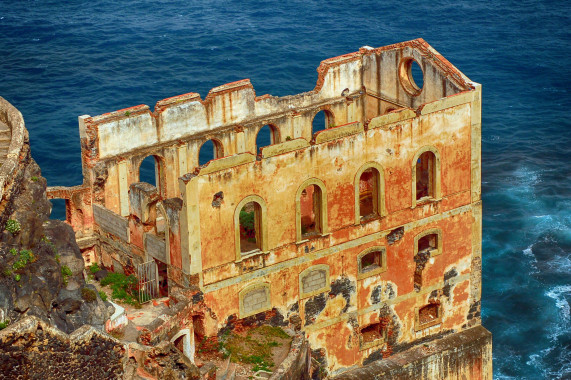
148 276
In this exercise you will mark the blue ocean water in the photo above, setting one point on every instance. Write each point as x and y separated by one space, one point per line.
59 60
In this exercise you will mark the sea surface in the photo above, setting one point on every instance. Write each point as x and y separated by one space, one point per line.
62 59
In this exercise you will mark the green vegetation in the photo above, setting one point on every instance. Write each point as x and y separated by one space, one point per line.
127 113
13 226
254 348
25 256
50 244
4 324
88 294
65 273
94 268
103 295
34 178
247 222
124 288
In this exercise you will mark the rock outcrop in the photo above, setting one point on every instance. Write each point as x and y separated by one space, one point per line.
41 267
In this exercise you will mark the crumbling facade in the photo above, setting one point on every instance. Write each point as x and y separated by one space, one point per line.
366 234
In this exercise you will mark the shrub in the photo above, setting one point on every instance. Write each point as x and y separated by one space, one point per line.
4 324
34 178
94 268
88 294
65 273
124 288
103 295
13 226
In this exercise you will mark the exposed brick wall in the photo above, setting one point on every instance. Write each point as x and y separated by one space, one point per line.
255 300
314 280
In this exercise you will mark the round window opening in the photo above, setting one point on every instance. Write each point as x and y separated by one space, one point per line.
411 76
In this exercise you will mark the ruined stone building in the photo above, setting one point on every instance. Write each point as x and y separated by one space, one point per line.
365 234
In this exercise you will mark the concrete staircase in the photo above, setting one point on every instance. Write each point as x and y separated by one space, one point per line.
5 138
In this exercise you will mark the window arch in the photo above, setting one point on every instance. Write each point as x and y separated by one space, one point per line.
254 299
210 150
369 192
267 135
426 175
314 280
250 226
322 120
371 261
311 209
151 171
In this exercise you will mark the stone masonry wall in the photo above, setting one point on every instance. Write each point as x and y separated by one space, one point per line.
465 355
31 349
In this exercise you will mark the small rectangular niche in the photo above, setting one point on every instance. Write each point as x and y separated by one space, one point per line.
428 316
372 335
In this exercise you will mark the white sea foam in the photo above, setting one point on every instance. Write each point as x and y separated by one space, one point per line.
557 293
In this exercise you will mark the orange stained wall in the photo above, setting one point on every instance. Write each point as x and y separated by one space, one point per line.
277 180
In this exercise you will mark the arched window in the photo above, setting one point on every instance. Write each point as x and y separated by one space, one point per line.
427 244
210 150
426 176
254 299
369 192
371 261
322 120
311 209
251 226
148 171
267 135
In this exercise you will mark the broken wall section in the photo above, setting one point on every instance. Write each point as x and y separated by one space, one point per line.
466 355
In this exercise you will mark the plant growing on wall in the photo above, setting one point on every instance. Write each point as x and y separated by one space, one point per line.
13 226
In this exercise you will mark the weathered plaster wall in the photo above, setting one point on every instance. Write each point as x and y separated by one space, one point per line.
376 117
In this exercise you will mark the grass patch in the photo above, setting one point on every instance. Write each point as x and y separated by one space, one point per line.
256 347
88 294
103 295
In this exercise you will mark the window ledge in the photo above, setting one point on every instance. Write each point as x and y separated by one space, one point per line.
313 237
325 289
251 254
369 218
375 343
424 201
426 325
371 272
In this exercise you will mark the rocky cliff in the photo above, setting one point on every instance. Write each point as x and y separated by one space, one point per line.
41 267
